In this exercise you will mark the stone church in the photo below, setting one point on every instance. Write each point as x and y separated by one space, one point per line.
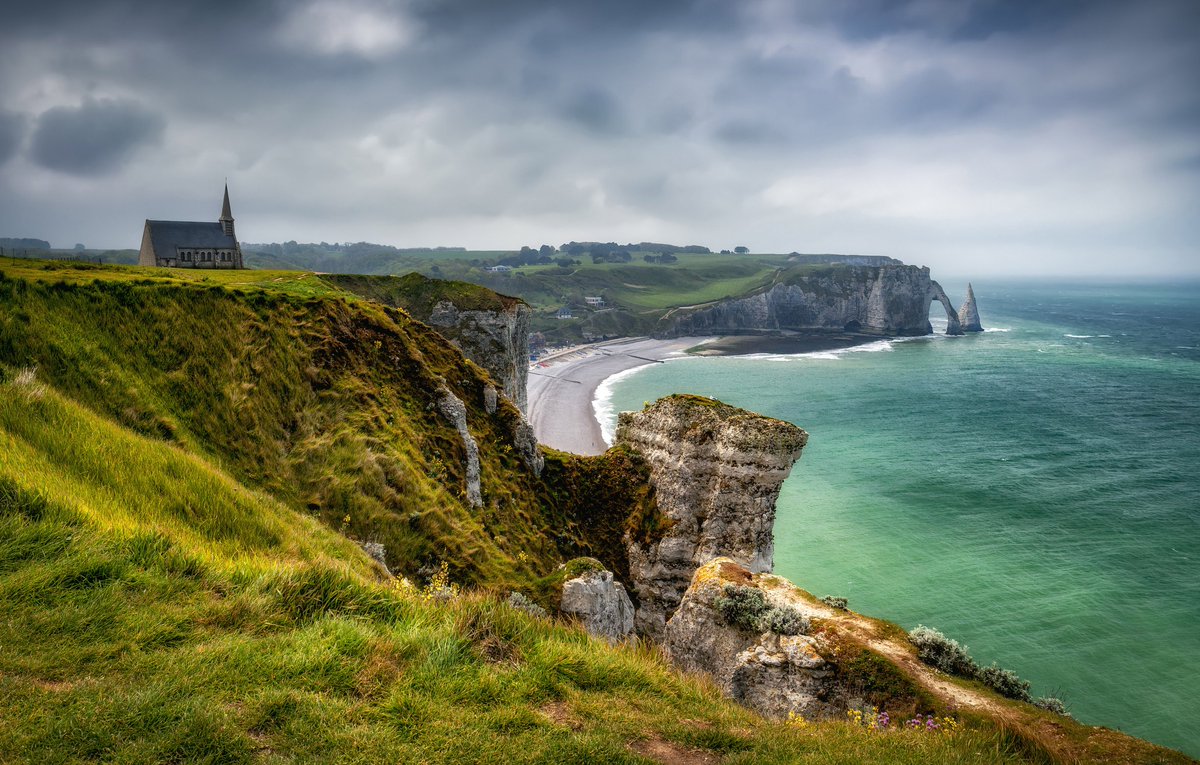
191 244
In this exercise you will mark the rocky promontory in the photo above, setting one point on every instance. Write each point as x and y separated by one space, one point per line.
716 471
888 300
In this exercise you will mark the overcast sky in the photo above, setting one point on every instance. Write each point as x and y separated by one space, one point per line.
975 137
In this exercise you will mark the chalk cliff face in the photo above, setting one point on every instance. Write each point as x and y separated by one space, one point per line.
968 313
716 471
497 340
884 300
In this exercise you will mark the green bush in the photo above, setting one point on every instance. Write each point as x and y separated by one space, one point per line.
746 608
1005 682
835 602
742 607
937 650
785 621
1052 704
523 603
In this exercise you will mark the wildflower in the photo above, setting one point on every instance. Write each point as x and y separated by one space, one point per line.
796 720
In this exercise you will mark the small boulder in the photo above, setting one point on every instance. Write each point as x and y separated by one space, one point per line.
600 603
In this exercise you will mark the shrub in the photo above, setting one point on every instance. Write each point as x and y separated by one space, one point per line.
937 650
742 607
835 602
746 608
1051 704
785 621
522 603
1005 682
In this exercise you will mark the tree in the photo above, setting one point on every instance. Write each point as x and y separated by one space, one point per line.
741 250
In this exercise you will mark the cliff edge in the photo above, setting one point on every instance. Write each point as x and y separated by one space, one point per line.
883 300
490 329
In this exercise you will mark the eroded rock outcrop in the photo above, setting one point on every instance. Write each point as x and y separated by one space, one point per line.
968 312
882 300
453 409
774 674
600 603
717 471
526 444
497 340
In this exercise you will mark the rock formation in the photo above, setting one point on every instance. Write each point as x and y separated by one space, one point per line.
717 471
771 673
601 604
526 444
498 341
453 409
883 300
968 313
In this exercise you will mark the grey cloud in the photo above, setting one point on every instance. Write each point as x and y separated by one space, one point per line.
753 132
12 130
595 109
95 137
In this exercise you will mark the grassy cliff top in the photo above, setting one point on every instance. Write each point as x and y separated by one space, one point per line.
419 294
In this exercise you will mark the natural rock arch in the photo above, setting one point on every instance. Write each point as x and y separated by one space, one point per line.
953 327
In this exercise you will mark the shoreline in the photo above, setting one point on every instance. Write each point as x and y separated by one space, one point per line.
562 387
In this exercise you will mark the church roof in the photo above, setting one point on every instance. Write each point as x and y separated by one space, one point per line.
166 235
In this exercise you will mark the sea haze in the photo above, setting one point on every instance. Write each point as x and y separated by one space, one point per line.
1030 491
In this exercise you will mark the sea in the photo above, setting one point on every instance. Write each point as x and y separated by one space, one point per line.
1032 491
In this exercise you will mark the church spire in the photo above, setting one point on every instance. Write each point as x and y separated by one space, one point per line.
226 218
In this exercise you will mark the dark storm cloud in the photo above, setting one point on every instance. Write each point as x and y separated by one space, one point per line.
805 122
12 129
95 137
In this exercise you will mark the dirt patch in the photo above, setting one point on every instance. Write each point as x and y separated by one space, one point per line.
560 714
660 750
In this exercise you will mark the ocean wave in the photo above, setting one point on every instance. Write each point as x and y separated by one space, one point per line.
602 403
1085 337
830 354
997 329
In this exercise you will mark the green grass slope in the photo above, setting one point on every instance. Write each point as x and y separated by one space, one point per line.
321 399
156 610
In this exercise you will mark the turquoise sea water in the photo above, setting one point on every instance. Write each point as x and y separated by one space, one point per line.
1032 492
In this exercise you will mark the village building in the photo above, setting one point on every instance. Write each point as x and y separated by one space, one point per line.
192 244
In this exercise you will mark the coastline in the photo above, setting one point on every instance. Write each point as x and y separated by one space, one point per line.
562 388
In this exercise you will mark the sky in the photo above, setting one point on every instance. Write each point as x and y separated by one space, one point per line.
974 136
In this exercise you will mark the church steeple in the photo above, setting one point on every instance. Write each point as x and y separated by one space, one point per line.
226 219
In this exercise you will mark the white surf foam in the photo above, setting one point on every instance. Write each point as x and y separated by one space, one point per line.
602 404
